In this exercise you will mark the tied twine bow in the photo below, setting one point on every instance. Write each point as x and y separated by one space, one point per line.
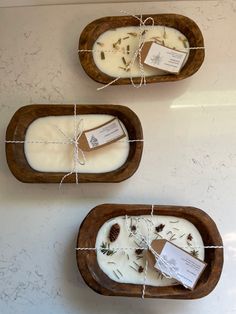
79 157
78 131
136 53
164 265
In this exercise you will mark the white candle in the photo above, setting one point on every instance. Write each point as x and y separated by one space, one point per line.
59 157
113 50
122 266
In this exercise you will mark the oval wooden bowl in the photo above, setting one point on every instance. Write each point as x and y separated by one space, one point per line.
101 283
184 24
23 117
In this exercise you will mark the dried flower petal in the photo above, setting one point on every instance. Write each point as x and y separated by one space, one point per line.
140 269
159 228
139 251
189 237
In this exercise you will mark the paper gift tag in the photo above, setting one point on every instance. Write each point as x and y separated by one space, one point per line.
102 135
177 263
161 57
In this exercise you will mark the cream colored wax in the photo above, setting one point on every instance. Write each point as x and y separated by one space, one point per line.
115 61
122 265
59 157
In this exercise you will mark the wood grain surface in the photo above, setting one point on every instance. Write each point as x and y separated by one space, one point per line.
23 117
101 283
182 23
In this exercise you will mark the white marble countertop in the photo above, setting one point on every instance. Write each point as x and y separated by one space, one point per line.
189 156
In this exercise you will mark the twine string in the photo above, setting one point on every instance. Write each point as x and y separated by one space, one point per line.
79 157
164 266
136 54
77 151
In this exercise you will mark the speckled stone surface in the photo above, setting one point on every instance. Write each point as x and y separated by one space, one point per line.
189 155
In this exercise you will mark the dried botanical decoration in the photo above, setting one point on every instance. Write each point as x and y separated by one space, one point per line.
124 61
132 34
102 55
139 257
105 249
114 272
194 253
140 269
159 228
114 232
158 236
189 237
132 267
118 42
172 238
133 228
139 251
119 272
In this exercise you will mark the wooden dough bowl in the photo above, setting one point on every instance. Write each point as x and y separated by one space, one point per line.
101 283
23 117
182 23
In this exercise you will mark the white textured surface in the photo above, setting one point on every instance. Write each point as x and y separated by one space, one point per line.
189 156
176 230
60 157
113 62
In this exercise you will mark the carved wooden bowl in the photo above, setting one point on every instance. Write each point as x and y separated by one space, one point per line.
23 117
101 283
182 23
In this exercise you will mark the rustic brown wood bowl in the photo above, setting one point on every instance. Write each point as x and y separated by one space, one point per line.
184 24
23 117
101 283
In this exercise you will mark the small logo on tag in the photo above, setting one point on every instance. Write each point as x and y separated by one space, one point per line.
94 141
103 135
156 59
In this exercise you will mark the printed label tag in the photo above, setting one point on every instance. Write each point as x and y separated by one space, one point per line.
102 135
177 263
163 58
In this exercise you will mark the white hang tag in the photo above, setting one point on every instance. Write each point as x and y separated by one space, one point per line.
102 135
177 263
164 58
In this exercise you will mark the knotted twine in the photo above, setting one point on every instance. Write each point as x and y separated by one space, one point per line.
147 246
136 53
78 154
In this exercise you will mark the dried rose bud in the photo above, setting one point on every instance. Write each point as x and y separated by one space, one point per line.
114 232
159 228
133 228
189 237
139 251
140 269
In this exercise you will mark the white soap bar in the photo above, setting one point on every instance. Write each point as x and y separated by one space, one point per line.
59 157
122 266
112 60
